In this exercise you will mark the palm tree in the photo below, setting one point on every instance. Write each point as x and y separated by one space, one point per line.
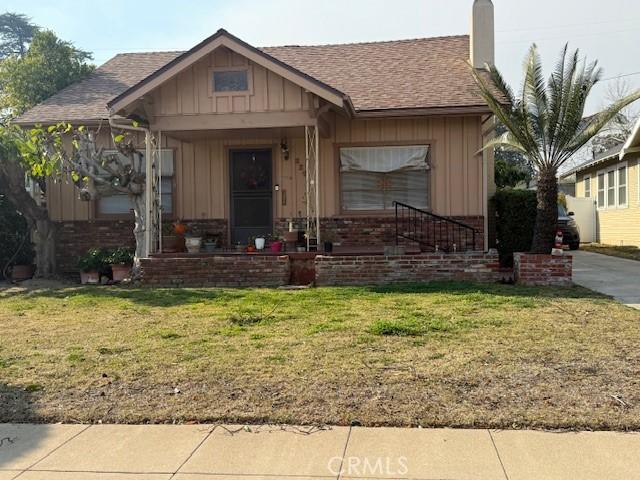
545 123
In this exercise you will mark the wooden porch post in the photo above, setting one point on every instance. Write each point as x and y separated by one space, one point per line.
148 195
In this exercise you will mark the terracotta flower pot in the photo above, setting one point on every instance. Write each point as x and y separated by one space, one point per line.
172 244
120 272
89 278
20 273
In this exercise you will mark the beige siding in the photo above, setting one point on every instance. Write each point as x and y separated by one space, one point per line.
616 226
201 168
189 92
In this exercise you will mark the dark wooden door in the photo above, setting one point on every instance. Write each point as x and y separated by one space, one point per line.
251 194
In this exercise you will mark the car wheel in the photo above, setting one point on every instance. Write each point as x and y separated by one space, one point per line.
574 246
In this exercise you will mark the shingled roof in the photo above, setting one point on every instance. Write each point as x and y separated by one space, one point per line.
426 73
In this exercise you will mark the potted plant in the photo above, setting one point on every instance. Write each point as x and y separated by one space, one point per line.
22 267
276 242
172 242
91 266
210 242
251 247
260 242
121 261
193 240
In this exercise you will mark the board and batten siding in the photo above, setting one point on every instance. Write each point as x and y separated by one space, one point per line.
190 92
621 225
201 181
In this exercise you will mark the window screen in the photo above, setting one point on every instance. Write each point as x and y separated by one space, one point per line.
611 188
230 81
372 178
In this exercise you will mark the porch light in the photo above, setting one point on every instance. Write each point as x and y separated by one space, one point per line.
284 148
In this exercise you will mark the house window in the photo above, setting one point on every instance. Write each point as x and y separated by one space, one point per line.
601 190
611 188
587 187
372 178
231 80
121 204
622 186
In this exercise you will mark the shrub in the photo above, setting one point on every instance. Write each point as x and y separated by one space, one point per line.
515 220
120 255
95 260
13 232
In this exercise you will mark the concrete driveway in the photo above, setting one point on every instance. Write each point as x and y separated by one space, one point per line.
617 277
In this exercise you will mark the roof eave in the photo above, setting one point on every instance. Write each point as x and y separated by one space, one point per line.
224 38
424 111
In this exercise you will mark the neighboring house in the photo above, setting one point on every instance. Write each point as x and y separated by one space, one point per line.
327 137
612 180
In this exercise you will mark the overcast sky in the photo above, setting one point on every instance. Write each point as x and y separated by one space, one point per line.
603 30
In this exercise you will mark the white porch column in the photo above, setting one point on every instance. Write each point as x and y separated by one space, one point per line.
312 191
148 195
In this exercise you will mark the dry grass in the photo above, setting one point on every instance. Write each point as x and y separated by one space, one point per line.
441 354
628 252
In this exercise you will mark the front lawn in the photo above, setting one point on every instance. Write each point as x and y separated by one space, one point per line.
450 354
628 252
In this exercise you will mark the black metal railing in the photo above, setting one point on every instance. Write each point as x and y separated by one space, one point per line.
433 232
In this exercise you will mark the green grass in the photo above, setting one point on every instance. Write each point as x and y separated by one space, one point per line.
455 354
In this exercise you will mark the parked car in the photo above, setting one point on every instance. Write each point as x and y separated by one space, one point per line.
569 227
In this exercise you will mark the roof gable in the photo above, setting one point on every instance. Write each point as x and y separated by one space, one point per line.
224 38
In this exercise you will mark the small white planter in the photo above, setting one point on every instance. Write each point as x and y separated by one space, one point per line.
193 244
259 243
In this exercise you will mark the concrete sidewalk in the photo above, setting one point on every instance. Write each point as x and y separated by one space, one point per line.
617 277
200 452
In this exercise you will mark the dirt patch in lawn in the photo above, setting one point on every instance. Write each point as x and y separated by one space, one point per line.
444 354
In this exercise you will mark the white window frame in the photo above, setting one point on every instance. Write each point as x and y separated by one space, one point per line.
587 181
604 189
616 186
122 215
626 179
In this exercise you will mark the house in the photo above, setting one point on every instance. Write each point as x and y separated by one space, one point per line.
325 138
612 180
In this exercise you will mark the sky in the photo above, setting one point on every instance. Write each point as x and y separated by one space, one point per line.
608 31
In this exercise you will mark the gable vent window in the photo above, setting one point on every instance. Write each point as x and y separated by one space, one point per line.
230 81
372 178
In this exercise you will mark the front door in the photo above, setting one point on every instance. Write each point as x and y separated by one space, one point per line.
251 194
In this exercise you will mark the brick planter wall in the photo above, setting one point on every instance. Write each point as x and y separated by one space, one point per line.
377 270
217 271
374 230
73 239
540 269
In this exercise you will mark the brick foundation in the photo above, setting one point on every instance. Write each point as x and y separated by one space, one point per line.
378 230
539 269
217 271
379 269
73 239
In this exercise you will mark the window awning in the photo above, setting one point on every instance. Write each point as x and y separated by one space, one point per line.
384 159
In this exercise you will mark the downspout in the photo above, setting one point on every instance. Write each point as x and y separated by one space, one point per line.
148 194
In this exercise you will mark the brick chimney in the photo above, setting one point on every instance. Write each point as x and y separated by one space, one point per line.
482 42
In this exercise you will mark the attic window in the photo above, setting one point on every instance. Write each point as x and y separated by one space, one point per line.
231 80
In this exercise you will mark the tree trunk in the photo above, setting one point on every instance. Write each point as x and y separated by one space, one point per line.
547 212
12 184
